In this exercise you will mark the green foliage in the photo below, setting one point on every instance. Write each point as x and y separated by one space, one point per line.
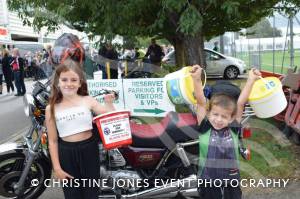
172 5
230 7
190 21
289 8
143 17
175 20
129 42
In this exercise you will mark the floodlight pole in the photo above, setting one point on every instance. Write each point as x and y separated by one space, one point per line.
222 44
291 42
274 44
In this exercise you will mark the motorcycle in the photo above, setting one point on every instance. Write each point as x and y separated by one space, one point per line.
21 162
161 152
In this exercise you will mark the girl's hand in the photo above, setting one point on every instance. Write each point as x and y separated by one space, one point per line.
196 72
109 98
61 174
254 74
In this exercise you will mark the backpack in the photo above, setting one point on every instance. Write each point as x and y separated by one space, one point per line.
224 87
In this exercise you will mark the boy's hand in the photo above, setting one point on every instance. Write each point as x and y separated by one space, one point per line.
109 98
254 74
196 72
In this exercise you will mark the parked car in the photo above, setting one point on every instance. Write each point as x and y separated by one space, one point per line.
217 64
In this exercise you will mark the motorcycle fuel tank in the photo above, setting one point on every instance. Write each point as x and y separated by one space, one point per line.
142 157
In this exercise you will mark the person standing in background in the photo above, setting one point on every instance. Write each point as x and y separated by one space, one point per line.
17 65
48 69
7 70
88 64
1 74
36 66
112 54
155 52
216 47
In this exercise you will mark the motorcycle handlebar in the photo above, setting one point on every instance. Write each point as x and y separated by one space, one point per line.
105 92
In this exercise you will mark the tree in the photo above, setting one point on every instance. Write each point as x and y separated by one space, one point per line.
262 29
184 23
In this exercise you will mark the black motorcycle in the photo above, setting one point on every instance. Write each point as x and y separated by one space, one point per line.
23 163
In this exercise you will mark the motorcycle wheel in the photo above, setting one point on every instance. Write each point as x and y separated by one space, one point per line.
11 166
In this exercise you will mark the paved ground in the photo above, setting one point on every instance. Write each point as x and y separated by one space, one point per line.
292 191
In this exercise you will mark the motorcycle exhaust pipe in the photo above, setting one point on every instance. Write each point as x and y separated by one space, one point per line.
193 192
168 190
108 197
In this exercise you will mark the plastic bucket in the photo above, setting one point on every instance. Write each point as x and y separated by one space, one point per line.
180 86
267 97
114 129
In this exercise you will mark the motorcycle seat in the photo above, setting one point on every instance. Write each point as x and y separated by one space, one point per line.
175 127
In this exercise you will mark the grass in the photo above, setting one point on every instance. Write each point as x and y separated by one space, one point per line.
285 155
280 60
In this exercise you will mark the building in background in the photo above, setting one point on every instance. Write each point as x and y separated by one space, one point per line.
12 30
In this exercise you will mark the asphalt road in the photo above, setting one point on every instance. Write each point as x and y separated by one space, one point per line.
13 120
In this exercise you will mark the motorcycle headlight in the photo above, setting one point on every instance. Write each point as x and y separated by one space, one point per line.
28 103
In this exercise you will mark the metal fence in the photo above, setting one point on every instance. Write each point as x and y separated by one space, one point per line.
275 54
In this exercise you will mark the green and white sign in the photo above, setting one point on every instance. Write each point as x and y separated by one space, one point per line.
147 97
95 87
143 97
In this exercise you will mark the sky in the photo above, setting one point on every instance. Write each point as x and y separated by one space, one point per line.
281 23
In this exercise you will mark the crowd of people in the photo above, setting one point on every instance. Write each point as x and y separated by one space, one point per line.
37 65
151 58
14 68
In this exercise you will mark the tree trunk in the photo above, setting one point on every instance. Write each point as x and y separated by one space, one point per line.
179 53
189 50
194 50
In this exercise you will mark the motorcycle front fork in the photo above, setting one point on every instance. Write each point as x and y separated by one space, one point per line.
30 156
183 155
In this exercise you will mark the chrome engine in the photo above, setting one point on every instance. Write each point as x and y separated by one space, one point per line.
127 179
113 157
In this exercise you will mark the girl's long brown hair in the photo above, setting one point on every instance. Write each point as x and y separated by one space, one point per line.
56 96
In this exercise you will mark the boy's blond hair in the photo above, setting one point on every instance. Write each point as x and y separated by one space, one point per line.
225 101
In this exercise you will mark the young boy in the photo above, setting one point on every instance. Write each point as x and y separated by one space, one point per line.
218 140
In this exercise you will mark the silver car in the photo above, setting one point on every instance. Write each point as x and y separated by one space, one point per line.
217 64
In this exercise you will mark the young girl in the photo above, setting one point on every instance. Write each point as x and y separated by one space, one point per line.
73 148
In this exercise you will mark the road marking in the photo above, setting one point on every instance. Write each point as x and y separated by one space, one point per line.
16 135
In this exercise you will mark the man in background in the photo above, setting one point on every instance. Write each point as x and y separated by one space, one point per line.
155 53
